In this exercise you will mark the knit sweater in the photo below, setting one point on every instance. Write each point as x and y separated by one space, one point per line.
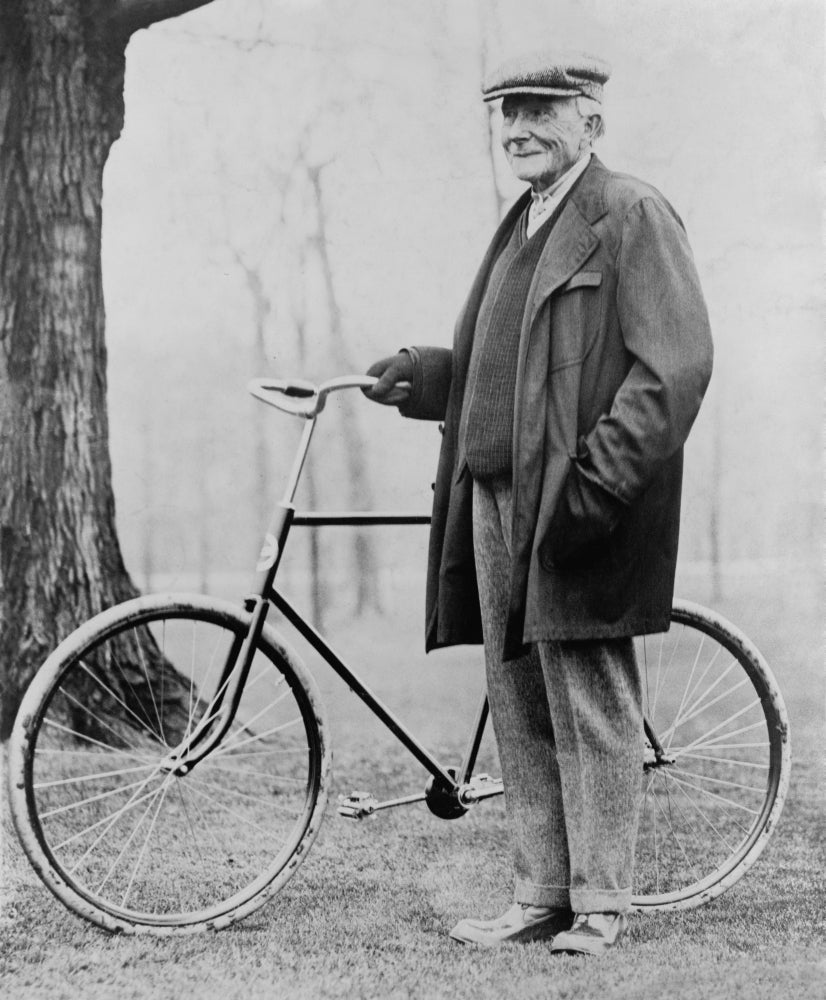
486 426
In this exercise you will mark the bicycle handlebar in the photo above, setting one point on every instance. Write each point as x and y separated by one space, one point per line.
305 399
301 398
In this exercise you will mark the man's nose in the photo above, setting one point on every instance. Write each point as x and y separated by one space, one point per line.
517 128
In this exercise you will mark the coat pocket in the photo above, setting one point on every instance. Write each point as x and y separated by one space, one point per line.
585 517
576 314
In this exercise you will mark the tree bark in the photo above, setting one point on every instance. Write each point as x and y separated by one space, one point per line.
61 108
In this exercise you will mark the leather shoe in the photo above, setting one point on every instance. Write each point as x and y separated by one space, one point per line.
522 922
591 934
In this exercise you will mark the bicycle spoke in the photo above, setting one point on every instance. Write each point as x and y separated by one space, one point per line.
705 817
695 806
718 798
728 761
95 776
229 747
191 715
110 819
242 819
70 697
156 792
267 775
764 745
688 682
144 724
649 804
683 712
75 734
69 807
151 686
677 840
247 796
147 838
703 742
701 706
662 675
245 726
85 751
720 678
207 826
718 781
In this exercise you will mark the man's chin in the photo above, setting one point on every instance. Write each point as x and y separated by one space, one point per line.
527 175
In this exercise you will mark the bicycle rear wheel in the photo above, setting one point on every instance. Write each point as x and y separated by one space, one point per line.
109 826
714 705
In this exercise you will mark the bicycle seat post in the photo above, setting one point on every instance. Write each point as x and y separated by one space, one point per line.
298 462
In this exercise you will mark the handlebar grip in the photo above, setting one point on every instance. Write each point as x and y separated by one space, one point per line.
303 392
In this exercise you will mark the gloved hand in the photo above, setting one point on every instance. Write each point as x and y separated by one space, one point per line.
395 377
585 516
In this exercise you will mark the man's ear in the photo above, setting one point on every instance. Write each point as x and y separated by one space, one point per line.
592 124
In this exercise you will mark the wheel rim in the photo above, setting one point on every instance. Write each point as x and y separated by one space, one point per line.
705 818
129 836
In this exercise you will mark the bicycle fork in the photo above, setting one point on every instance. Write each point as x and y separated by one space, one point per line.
220 714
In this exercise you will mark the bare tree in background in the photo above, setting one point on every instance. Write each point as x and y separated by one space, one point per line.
62 68
298 310
261 311
360 493
489 27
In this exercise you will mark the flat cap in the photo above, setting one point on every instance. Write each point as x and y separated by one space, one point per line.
549 74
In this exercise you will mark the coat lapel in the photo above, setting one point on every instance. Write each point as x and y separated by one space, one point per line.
570 243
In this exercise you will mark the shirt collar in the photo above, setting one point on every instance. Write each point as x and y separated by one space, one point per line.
561 187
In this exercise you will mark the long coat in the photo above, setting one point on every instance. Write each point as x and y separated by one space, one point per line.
614 358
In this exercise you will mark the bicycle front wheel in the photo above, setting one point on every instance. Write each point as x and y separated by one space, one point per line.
109 825
709 807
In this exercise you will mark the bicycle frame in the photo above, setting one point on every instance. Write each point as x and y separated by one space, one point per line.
212 729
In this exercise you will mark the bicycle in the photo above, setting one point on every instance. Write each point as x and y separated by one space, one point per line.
169 766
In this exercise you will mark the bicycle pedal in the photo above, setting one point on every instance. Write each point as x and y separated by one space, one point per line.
481 781
357 805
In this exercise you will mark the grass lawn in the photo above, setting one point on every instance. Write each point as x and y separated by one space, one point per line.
367 914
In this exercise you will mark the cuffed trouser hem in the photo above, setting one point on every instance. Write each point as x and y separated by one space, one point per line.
601 900
533 894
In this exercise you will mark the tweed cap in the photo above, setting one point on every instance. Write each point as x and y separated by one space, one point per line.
549 74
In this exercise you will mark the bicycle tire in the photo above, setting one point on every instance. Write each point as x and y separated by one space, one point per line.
716 708
112 831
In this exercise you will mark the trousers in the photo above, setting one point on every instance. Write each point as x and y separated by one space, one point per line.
568 722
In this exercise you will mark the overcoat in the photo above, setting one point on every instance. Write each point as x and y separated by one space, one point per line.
614 357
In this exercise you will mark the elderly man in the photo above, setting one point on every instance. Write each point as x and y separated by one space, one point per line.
578 365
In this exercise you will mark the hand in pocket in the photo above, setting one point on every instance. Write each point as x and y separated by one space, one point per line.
585 516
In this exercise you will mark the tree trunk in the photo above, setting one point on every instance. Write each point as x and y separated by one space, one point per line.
61 107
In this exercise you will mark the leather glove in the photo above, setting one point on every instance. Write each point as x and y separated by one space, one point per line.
395 377
585 517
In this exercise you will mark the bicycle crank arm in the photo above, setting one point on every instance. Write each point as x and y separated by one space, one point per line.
483 786
357 805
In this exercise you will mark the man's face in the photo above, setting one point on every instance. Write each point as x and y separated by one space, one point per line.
542 137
